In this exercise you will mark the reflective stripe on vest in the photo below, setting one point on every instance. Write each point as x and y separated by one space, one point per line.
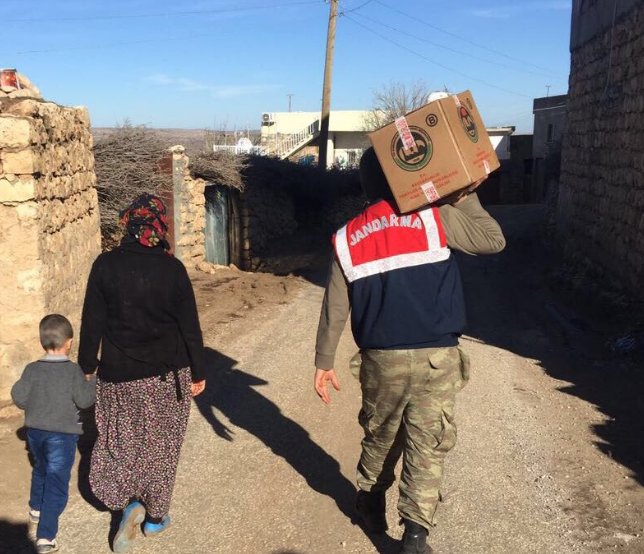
379 240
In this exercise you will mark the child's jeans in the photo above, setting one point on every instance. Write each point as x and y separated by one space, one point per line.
53 456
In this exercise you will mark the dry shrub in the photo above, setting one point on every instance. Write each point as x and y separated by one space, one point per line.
222 168
127 164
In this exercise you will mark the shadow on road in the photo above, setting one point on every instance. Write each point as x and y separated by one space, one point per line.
14 538
85 445
510 306
233 392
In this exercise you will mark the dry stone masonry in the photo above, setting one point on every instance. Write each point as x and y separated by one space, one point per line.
49 220
600 209
189 210
265 214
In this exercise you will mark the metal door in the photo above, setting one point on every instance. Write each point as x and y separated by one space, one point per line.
217 249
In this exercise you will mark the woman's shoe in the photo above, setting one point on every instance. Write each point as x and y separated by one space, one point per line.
133 516
150 529
45 546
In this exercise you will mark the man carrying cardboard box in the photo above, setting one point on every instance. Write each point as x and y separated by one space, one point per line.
396 275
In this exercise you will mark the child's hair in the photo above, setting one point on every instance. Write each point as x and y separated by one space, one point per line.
55 330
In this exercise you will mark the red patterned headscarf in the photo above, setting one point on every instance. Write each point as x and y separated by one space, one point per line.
146 220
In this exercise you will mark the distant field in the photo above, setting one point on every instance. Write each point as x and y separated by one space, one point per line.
193 139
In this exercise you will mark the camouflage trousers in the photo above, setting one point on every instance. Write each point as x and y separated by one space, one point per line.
408 409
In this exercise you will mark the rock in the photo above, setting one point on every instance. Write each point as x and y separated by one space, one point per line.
14 132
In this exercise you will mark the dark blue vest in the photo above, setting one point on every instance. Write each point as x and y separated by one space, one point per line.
404 284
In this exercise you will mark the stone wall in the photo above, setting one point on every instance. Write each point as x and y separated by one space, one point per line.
265 214
189 210
600 209
49 221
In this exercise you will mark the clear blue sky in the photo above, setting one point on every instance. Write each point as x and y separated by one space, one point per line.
199 64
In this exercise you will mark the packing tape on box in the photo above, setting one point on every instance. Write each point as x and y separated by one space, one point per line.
404 133
430 192
486 165
457 101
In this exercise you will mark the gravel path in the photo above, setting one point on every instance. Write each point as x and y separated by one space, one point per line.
267 468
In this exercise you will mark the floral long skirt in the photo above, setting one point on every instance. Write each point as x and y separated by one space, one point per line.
141 426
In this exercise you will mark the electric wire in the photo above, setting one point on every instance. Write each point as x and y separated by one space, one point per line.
449 49
114 45
180 13
465 39
150 40
356 8
446 67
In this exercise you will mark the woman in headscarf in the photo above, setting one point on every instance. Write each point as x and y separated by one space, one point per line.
140 311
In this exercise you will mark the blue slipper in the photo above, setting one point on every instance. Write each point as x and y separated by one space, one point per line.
150 529
133 516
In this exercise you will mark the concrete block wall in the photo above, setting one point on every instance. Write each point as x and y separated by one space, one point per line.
49 221
600 209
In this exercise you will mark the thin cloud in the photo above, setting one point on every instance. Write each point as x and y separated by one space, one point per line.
184 84
495 13
507 11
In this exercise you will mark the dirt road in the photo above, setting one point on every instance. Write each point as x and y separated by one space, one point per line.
547 460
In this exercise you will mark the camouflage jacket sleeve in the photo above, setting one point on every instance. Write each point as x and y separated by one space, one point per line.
333 317
470 229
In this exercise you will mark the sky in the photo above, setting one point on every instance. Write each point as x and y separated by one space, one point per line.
205 64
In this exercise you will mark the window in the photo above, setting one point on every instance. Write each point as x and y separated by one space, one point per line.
550 132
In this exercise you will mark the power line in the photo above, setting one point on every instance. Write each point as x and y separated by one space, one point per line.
384 37
456 51
110 46
484 47
162 14
356 8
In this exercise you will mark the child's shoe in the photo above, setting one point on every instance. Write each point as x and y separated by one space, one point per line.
151 529
34 515
45 546
133 516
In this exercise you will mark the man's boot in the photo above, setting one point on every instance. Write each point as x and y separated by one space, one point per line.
371 509
414 539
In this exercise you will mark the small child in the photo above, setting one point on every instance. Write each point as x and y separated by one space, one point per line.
51 390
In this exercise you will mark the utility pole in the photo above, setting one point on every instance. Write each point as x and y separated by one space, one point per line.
289 101
326 87
547 91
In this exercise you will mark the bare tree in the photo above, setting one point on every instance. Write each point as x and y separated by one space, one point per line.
394 100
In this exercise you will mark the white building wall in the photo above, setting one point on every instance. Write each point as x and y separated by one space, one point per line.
293 122
501 144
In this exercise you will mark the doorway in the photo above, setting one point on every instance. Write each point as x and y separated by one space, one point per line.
222 236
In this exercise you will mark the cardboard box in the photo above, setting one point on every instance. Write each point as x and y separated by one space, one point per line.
434 151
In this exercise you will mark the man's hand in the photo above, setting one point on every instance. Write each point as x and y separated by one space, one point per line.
322 376
197 388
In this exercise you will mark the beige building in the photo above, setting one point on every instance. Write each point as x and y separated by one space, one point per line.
294 135
287 134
